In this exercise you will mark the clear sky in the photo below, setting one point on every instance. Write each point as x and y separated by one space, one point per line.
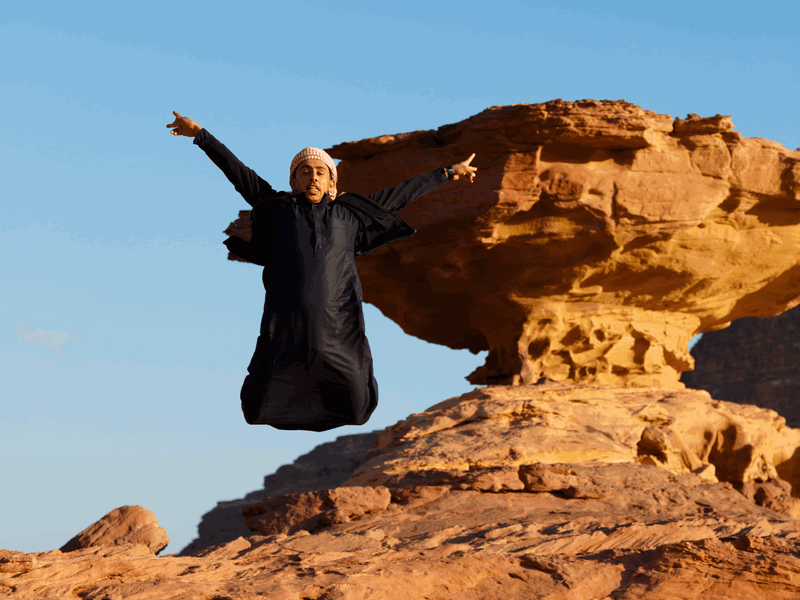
125 333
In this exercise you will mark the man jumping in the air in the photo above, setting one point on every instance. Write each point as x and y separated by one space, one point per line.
312 367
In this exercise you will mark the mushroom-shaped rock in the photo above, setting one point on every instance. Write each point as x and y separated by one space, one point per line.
598 239
122 526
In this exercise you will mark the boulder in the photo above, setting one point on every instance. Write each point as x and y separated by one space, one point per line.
126 525
327 466
312 510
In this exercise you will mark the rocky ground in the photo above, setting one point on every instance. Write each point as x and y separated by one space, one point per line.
550 491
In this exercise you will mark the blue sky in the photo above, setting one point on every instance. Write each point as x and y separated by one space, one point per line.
124 332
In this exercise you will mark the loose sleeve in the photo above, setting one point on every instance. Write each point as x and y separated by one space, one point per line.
397 197
246 181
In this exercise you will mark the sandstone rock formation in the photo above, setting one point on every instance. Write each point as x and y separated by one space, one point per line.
457 565
326 467
527 492
754 361
314 510
126 525
598 239
503 429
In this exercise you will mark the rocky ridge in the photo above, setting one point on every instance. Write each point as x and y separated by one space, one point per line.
488 495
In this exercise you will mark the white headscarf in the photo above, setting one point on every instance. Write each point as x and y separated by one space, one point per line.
311 152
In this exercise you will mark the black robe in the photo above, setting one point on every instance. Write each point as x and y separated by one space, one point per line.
312 367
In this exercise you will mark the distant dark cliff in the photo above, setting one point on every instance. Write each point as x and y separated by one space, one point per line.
754 361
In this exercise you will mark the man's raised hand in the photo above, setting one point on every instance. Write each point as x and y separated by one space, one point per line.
184 126
463 169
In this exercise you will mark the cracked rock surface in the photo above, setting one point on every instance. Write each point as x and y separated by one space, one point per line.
529 492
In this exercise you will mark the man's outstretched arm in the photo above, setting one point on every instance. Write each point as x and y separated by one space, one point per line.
397 197
245 180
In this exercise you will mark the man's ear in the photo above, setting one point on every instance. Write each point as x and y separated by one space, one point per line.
292 182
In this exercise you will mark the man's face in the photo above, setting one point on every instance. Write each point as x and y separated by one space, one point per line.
312 177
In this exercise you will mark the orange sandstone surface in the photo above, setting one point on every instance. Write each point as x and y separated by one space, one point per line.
520 492
598 239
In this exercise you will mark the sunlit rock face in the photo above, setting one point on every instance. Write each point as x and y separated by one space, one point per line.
542 492
598 239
